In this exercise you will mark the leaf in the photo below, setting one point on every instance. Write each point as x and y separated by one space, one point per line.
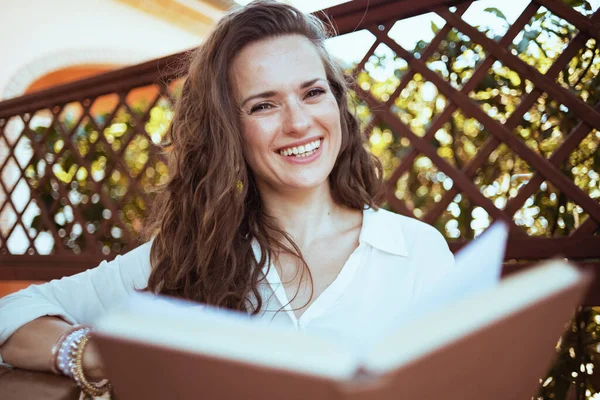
522 46
514 78
547 132
399 73
574 3
36 222
566 74
496 12
531 34
540 15
486 83
434 27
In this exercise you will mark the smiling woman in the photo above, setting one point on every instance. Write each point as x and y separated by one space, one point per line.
270 208
298 110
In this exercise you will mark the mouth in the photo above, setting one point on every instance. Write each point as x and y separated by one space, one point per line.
302 151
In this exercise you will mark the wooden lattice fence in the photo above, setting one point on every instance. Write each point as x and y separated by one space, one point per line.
471 125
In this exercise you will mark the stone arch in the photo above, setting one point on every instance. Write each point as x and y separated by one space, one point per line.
108 59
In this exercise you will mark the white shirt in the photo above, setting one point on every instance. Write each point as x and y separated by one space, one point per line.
397 260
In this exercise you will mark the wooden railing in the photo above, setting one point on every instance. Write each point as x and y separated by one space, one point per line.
78 162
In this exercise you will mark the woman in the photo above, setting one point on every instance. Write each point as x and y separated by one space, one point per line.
270 207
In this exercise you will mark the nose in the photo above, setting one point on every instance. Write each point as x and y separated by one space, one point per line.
296 119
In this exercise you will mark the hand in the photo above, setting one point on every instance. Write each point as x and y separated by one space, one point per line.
92 363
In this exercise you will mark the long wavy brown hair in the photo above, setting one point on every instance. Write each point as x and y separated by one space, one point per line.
205 218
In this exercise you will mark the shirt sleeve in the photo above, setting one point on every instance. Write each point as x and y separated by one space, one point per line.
81 298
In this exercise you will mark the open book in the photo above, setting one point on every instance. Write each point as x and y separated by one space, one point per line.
474 337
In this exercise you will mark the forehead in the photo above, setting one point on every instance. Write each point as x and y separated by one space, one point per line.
276 64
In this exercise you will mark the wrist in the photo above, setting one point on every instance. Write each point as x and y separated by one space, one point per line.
68 347
54 360
92 364
77 370
70 362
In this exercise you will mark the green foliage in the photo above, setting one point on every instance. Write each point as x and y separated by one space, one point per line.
576 360
496 12
96 172
543 128
107 184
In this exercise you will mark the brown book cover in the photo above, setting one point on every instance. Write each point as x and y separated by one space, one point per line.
495 344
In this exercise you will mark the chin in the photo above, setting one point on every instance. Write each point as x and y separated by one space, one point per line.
300 184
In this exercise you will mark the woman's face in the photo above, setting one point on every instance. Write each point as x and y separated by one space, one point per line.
289 117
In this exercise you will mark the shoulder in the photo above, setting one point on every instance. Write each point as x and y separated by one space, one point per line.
410 228
140 253
422 245
132 267
404 236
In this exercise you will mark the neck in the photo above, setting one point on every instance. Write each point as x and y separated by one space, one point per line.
305 215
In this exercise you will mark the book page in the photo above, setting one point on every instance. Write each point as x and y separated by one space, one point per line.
456 320
234 335
226 334
478 266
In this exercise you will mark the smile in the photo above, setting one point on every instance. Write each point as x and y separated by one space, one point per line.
301 151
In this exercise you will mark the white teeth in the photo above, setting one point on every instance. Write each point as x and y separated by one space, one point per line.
301 151
305 154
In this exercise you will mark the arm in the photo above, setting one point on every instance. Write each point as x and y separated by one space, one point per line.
34 318
29 347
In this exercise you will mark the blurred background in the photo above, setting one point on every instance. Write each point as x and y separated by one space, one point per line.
480 111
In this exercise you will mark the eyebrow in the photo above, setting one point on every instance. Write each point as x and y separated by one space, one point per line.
272 93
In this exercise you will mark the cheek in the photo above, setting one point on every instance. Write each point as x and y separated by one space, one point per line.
257 138
330 117
330 111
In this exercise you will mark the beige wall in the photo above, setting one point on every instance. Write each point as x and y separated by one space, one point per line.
44 36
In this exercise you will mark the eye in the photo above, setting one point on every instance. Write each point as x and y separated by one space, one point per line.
260 107
314 92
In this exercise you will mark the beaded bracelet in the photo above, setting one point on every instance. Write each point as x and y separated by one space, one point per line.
56 347
77 372
66 352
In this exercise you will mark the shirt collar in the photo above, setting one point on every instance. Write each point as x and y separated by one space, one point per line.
381 230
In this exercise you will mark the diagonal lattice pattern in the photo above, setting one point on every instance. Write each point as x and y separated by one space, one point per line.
90 168
499 126
474 122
